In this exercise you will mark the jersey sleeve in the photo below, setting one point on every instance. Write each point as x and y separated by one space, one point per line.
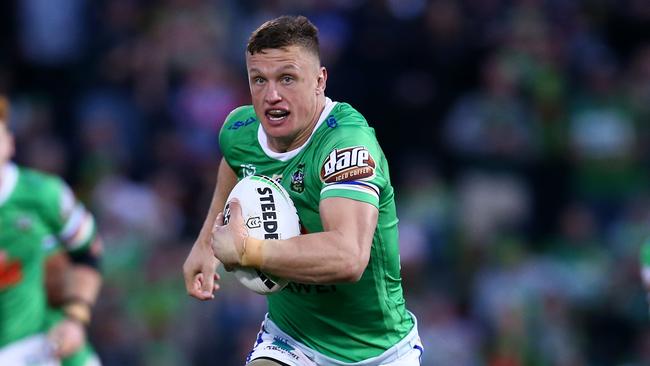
350 164
239 125
73 225
225 142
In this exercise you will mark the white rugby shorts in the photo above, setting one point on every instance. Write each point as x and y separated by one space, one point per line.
272 343
35 350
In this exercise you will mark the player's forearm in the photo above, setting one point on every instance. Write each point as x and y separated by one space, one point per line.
84 283
211 216
81 290
216 205
226 179
326 257
340 253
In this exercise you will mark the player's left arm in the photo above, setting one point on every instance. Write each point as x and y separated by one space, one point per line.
81 279
79 237
83 282
340 253
80 287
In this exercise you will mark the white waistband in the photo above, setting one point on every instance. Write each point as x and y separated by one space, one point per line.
400 349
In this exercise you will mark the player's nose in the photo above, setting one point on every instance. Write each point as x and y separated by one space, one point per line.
272 95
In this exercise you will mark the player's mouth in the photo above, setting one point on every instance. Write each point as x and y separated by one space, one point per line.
277 115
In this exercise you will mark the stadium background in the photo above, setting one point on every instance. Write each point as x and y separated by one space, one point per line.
517 132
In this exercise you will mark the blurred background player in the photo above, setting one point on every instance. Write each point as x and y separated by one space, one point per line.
40 216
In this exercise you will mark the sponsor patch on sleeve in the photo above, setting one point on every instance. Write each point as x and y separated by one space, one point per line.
349 164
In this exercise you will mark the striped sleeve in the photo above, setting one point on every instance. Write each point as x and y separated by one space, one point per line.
77 223
356 190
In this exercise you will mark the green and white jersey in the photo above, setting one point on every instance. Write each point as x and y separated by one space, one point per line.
342 158
37 212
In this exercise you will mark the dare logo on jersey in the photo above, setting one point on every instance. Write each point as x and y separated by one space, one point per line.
352 163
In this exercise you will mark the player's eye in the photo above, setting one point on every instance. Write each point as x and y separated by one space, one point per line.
286 79
258 80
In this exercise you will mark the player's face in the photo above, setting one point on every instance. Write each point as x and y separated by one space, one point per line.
6 144
287 88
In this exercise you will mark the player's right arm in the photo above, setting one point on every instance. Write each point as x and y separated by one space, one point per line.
200 267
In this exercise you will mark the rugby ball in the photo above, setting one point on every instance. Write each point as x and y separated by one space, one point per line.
268 213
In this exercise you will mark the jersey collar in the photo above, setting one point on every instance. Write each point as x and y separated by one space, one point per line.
285 156
8 182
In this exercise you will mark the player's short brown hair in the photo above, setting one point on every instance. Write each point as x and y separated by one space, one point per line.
283 32
4 110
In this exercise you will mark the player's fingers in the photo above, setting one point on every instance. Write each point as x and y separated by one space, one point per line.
191 280
235 208
216 283
207 284
53 338
66 337
219 220
70 343
196 289
193 287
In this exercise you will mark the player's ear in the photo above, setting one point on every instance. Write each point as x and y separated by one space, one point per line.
321 81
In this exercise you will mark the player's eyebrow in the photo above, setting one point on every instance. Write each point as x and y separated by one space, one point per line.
255 70
288 66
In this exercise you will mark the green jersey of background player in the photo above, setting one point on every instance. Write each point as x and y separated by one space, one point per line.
345 303
39 214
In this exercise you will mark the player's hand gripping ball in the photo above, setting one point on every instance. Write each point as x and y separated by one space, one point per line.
268 213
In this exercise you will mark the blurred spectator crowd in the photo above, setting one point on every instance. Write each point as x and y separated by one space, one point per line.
517 131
